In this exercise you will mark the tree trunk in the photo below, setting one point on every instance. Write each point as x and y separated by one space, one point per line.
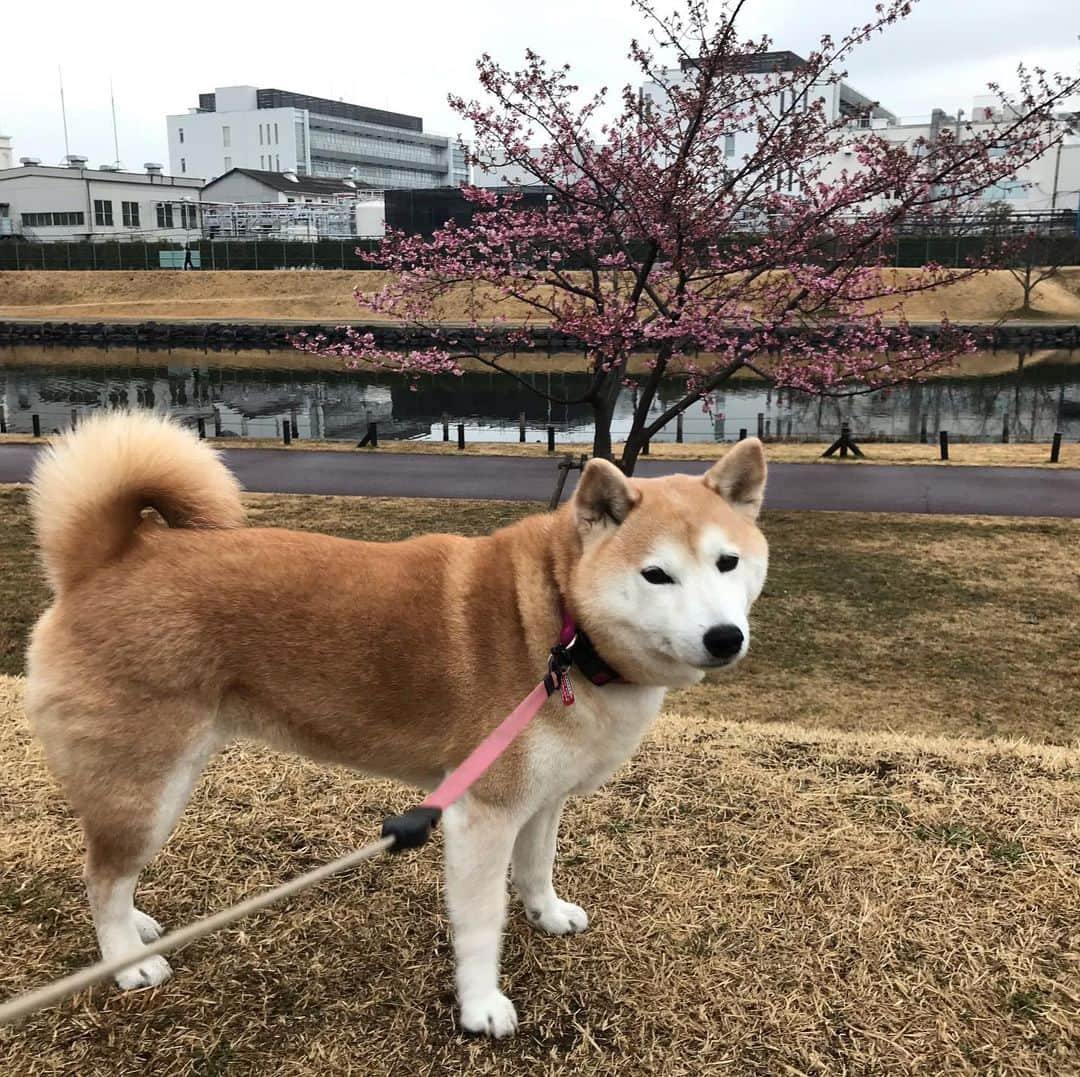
635 442
603 405
603 410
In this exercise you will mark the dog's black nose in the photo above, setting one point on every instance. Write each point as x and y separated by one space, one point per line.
723 641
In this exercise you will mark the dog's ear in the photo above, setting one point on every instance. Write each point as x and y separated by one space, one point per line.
603 496
739 477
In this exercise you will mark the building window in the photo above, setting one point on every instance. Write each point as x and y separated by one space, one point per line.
130 212
164 215
729 145
260 135
226 136
275 135
189 216
228 163
103 212
181 135
51 220
183 164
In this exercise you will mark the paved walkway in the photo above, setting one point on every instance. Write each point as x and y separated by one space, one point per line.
992 491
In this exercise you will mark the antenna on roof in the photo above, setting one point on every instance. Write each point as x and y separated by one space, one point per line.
115 139
63 111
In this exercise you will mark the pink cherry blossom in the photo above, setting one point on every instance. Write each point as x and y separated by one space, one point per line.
656 242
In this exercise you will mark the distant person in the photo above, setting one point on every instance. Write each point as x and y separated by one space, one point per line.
188 264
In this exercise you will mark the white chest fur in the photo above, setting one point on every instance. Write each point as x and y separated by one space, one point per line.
585 744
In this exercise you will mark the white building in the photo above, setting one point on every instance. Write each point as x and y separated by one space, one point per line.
839 99
73 202
7 157
278 131
1049 184
250 203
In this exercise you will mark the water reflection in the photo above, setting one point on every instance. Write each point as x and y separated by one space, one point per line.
1035 400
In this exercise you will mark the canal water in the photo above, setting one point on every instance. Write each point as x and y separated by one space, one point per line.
253 395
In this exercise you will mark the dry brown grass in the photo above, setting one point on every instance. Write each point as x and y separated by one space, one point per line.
765 901
767 898
327 295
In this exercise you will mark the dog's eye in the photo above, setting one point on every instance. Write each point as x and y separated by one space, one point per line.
727 562
656 575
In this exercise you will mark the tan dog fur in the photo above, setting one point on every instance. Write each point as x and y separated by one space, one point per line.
165 642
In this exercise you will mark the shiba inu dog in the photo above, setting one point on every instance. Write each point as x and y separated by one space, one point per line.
174 632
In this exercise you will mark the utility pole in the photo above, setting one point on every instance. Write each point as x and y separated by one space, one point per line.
116 140
63 114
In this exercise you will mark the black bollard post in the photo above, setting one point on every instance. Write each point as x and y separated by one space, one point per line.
286 431
217 423
922 431
36 421
1055 448
74 418
551 438
202 428
461 436
943 441
742 433
445 427
3 423
521 427
1005 429
761 424
679 429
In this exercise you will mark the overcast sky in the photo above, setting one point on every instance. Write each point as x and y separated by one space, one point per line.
407 55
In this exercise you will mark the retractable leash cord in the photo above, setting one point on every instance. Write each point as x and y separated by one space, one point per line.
407 831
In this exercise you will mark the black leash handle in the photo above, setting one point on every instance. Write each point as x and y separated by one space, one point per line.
411 829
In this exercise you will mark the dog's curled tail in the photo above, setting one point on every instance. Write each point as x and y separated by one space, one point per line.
90 487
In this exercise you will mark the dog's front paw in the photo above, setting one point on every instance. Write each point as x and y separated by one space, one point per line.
492 1014
149 972
559 918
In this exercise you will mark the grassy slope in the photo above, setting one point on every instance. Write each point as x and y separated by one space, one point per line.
327 294
767 897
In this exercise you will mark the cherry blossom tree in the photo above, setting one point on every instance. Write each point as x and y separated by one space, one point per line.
658 241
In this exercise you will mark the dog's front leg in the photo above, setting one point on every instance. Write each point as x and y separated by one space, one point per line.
478 843
534 857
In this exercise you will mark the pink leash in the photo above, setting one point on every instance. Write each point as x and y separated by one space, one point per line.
414 827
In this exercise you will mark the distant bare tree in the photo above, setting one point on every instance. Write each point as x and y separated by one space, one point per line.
1034 257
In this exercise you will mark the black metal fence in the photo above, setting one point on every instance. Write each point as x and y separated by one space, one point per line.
17 253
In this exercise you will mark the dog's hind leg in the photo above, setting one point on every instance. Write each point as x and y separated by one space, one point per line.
115 859
534 857
128 766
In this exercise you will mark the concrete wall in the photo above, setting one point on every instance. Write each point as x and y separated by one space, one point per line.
43 189
241 188
208 144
